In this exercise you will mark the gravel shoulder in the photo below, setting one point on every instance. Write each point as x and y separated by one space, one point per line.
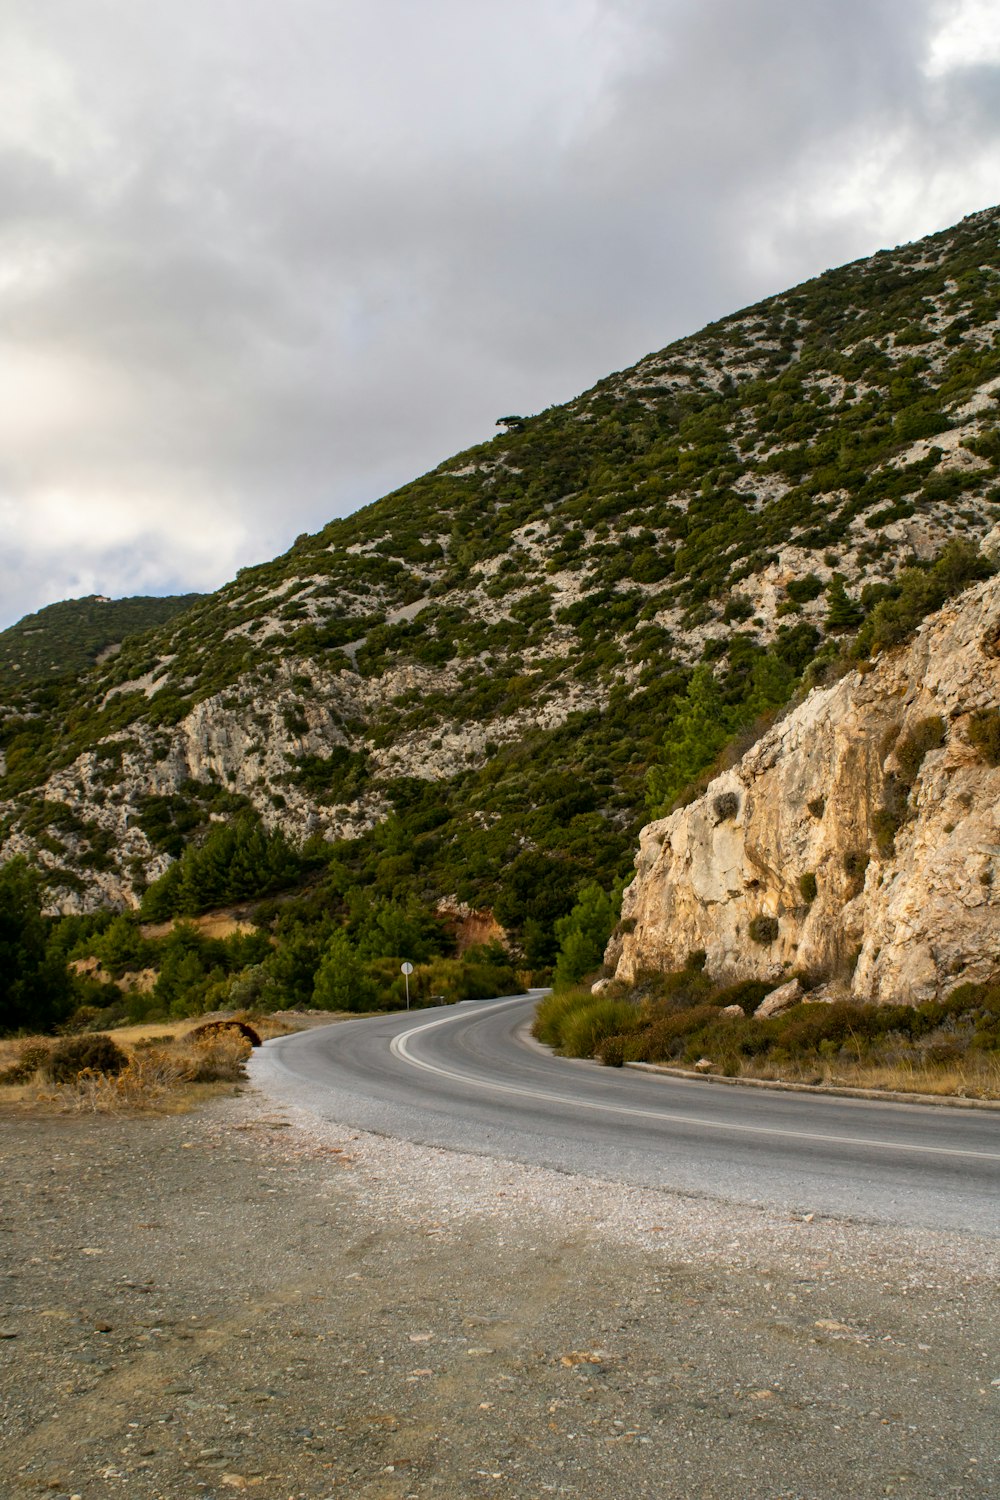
250 1299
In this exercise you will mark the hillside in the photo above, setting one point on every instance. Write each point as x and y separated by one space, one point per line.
471 686
70 637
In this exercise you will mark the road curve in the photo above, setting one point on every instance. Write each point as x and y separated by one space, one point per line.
468 1078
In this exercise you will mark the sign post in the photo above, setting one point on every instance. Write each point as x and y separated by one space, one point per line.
406 970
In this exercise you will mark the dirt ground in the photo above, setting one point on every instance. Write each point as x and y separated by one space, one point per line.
202 1305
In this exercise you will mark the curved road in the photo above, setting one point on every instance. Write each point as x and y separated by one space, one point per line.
468 1077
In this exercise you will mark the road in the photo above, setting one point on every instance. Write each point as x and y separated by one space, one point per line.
469 1078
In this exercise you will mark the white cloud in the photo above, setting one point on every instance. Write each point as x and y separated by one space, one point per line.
968 37
259 264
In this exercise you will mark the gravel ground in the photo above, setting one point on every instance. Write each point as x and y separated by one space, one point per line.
249 1300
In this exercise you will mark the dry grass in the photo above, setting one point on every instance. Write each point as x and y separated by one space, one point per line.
973 1077
164 1072
168 1071
214 924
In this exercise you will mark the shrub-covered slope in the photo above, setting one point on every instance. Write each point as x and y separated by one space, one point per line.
472 681
73 635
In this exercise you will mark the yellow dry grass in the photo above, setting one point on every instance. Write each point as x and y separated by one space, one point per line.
214 924
169 1069
976 1076
159 1075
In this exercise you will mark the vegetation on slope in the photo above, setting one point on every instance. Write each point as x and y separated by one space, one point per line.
65 639
950 1045
478 687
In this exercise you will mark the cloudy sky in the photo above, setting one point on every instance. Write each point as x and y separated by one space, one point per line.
263 260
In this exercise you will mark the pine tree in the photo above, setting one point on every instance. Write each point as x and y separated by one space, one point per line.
583 935
842 611
341 982
34 985
699 729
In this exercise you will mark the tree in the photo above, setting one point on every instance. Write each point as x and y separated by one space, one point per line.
537 889
341 981
771 681
583 935
842 612
699 729
391 930
122 947
35 992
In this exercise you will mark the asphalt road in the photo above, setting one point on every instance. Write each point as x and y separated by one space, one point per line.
469 1078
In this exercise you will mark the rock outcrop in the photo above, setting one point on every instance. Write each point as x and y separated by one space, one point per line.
857 841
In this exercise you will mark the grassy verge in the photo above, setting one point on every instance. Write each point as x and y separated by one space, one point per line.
949 1046
167 1068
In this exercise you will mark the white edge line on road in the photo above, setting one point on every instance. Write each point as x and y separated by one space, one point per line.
399 1046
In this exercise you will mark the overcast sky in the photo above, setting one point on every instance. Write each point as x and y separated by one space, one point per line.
261 261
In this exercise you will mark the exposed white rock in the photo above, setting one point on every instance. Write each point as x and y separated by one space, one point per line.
780 1000
894 926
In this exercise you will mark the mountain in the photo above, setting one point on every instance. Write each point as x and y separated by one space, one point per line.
856 842
479 687
69 637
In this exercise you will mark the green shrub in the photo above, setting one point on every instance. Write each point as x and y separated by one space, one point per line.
95 1052
552 1013
855 865
611 1051
984 734
586 1027
577 1022
763 929
889 818
926 735
725 806
808 887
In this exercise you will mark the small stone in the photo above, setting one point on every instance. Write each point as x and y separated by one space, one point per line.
8 1333
478 1353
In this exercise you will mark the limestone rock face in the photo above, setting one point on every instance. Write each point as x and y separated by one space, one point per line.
887 920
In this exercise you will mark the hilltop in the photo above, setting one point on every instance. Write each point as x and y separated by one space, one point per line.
476 688
69 637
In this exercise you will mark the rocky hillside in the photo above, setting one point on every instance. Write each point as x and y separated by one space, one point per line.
475 675
76 634
858 842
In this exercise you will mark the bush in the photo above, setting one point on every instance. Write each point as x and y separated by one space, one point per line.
726 806
577 1022
855 865
763 930
984 734
553 1012
890 817
32 1058
808 887
96 1053
216 1059
611 1051
586 1028
926 735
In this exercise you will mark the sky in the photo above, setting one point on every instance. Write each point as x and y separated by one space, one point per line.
262 261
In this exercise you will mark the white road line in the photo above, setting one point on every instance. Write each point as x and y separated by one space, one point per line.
400 1048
